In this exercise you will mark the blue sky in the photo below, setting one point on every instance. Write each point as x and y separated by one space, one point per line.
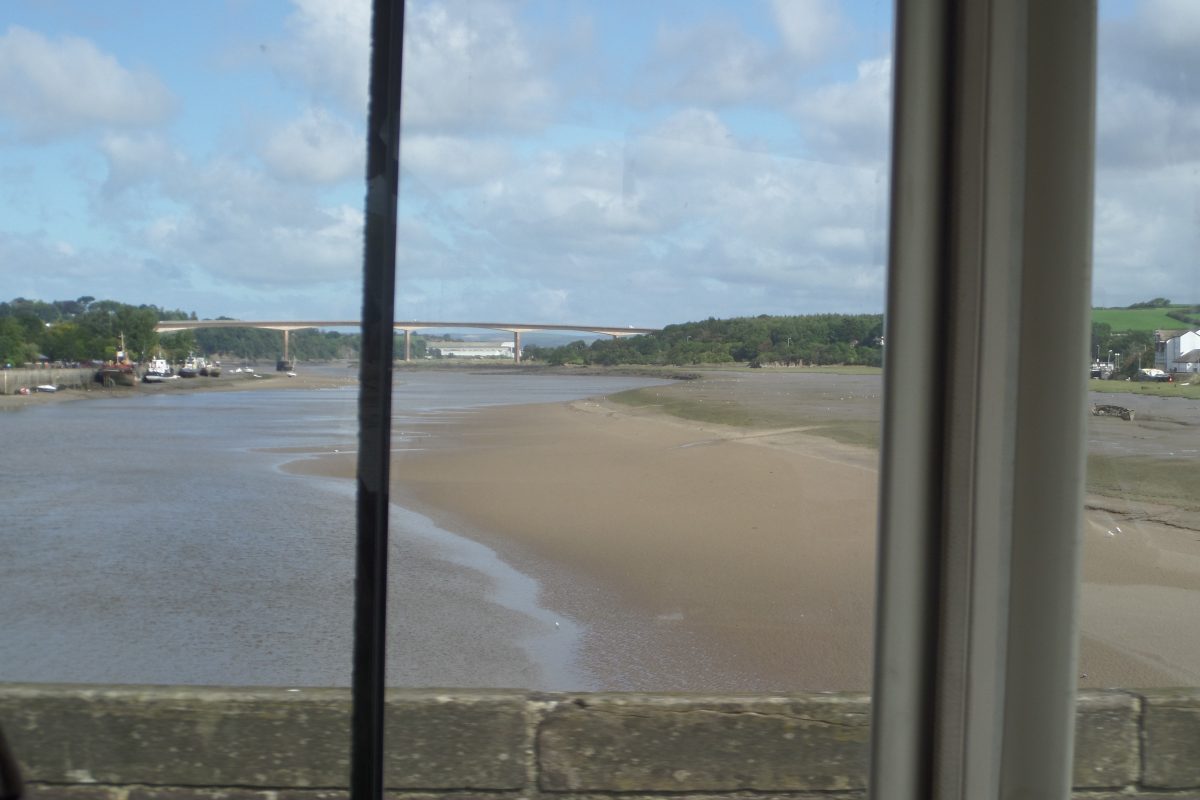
618 162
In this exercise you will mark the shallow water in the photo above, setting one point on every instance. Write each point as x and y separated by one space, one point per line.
155 539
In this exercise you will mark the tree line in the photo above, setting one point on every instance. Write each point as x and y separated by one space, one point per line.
87 329
758 341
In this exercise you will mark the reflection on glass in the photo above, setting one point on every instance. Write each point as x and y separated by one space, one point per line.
1141 569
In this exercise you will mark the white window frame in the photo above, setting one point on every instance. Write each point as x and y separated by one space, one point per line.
982 469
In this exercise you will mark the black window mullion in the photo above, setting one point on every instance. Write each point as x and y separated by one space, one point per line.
375 400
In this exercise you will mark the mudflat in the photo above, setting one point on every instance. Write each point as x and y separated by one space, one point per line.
720 533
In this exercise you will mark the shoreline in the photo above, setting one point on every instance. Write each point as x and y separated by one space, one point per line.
700 556
226 383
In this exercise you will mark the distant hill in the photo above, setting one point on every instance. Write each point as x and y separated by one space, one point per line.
1171 317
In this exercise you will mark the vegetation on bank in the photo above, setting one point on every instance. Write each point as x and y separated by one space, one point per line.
87 329
1126 335
813 339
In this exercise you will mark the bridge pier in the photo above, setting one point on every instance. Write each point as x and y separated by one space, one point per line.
516 347
407 344
285 344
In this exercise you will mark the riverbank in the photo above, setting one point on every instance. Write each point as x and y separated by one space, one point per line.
228 382
700 555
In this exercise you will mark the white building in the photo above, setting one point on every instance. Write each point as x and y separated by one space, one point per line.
1177 352
472 349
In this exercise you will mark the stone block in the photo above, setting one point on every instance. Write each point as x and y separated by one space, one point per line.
639 743
45 791
1171 738
203 793
270 738
1106 740
464 740
179 736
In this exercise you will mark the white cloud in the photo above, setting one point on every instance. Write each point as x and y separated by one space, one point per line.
810 28
316 147
468 66
328 50
453 160
714 64
227 220
630 223
134 159
851 120
57 88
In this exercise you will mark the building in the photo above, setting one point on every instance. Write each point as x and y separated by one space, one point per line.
1177 351
471 349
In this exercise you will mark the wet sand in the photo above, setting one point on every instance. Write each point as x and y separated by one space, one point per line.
700 556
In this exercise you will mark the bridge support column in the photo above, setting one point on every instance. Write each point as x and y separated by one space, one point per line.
516 347
285 344
407 345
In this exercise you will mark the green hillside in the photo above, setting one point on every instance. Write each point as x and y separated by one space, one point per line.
1143 319
1148 316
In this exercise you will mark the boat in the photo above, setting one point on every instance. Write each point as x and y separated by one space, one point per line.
159 371
119 371
214 369
46 387
192 366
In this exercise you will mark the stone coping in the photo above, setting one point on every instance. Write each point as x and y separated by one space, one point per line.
159 742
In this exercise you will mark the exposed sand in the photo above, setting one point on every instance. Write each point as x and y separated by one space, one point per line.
700 556
703 556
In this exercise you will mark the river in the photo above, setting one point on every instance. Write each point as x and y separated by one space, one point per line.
157 540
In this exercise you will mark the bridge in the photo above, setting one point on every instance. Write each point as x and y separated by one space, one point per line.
408 326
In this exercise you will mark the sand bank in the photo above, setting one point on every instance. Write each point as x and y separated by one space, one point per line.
700 556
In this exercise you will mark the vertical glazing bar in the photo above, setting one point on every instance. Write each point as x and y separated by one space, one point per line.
375 400
911 457
1055 317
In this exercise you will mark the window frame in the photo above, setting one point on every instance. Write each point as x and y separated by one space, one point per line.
981 470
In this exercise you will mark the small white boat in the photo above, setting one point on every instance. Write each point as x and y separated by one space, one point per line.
46 387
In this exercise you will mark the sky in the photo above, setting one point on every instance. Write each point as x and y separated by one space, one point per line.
617 162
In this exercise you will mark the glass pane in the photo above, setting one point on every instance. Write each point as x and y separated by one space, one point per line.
717 171
1141 574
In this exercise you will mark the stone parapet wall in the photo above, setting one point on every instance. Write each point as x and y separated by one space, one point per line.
177 743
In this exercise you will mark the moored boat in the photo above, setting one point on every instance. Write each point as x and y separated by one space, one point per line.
119 371
159 371
192 366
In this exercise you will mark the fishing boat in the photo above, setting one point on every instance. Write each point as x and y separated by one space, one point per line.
119 371
159 371
192 366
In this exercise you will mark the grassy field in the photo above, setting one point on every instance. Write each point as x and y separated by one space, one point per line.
716 403
1138 319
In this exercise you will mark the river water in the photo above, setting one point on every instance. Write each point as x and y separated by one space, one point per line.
156 539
